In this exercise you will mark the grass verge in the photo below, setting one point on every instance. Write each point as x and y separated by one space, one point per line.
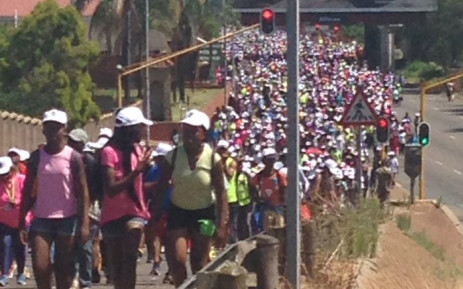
403 221
199 99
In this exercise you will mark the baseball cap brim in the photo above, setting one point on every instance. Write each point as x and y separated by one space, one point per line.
140 121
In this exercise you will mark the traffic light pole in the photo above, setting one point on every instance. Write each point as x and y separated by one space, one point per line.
293 220
423 114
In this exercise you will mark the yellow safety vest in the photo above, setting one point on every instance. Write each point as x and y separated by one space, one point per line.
240 189
231 192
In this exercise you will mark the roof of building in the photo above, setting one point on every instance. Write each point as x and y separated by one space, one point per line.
22 8
346 6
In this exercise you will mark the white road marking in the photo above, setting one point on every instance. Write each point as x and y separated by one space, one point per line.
439 163
452 137
457 172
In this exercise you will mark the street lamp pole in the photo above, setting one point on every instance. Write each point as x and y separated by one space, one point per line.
147 72
224 53
293 221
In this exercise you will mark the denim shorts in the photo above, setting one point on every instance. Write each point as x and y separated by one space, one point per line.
56 227
120 226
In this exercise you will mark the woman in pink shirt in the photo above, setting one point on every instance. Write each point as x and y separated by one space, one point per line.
56 191
11 185
124 211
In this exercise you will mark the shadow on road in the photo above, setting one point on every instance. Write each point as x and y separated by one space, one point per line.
454 111
455 130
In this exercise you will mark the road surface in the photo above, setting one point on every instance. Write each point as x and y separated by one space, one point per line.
444 155
144 279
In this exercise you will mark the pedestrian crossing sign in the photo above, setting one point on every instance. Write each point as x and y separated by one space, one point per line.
359 112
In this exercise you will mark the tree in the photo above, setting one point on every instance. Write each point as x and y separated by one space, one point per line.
46 64
438 39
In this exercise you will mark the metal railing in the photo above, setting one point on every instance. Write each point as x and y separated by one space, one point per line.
142 65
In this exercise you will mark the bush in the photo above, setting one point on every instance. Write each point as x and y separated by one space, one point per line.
360 229
404 222
423 71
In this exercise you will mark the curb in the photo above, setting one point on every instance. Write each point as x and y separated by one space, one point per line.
451 216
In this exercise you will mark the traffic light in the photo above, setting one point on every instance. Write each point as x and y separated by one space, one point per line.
382 130
336 28
267 21
423 133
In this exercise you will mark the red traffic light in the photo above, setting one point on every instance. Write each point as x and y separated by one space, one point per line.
382 123
267 14
382 130
267 21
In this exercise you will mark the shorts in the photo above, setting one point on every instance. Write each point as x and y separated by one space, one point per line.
178 218
120 226
65 227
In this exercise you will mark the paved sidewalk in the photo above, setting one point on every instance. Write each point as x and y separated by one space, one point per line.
144 280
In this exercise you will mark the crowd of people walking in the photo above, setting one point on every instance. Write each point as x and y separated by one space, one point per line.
88 208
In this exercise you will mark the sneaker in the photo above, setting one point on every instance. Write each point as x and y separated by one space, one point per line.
4 281
21 280
156 271
168 279
96 277
13 267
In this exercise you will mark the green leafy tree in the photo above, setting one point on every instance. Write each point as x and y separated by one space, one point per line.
46 63
438 39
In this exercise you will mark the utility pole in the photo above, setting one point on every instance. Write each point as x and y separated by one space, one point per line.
293 220
127 51
224 52
147 72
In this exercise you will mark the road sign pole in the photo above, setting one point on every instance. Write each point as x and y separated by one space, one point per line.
359 161
293 225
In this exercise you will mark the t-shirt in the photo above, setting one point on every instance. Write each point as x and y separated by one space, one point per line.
9 213
269 187
154 175
193 188
55 193
121 205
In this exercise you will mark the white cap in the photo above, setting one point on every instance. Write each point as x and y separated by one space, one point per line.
15 151
5 165
55 115
278 166
162 149
78 135
222 144
269 152
195 117
99 144
391 153
106 132
24 155
89 148
131 116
